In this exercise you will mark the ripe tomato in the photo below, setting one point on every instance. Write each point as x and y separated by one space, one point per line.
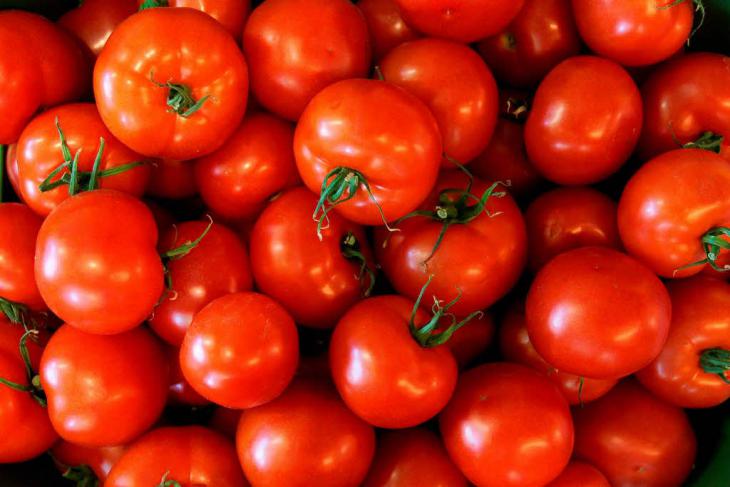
155 95
17 250
305 437
634 32
461 20
11 167
93 21
40 151
386 26
542 35
171 179
41 65
296 48
180 391
240 351
469 341
103 390
665 224
683 374
568 218
507 426
107 278
315 280
633 438
414 457
610 319
187 455
230 13
585 121
254 164
100 460
347 132
579 474
496 235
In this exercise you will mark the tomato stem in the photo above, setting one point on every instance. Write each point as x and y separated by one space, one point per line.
153 3
699 7
83 475
181 251
34 381
165 482
350 248
378 73
516 109
180 98
18 313
707 141
716 361
714 241
581 383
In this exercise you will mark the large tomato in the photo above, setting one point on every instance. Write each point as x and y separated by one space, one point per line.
295 48
94 20
471 340
155 95
230 13
80 459
580 474
386 26
17 251
584 122
596 312
11 166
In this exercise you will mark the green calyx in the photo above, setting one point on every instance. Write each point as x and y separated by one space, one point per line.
180 98
153 4
716 361
83 475
181 251
34 380
165 482
707 141
350 248
18 313
714 241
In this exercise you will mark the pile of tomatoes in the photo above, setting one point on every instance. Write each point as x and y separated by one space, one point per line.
402 243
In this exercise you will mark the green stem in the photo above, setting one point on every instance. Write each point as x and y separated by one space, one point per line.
350 248
581 383
153 3
34 382
714 241
707 141
716 361
699 7
180 98
165 482
83 475
179 252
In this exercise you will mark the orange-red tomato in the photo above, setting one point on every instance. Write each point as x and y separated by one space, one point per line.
17 251
100 460
230 13
94 20
386 26
580 474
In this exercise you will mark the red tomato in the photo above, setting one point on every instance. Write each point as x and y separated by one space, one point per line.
254 164
568 218
155 95
93 21
579 474
634 32
609 319
40 151
683 374
496 235
17 250
347 132
303 438
217 266
100 460
469 341
584 122
41 65
296 48
187 455
635 439
542 35
415 457
507 426
103 390
171 179
664 223
107 278
456 86
180 391
11 167
386 26
225 421
461 20
230 13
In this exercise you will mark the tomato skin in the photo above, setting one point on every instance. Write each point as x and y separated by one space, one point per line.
579 474
542 35
496 410
148 45
217 266
193 455
359 124
610 319
180 392
407 458
662 222
584 122
634 32
304 437
108 278
253 165
11 167
17 251
231 14
386 26
568 218
100 460
285 250
171 179
469 341
79 370
93 21
633 438
699 322
296 48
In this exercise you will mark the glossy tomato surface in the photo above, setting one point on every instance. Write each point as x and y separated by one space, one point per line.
386 26
580 474
17 251
93 21
100 460
230 13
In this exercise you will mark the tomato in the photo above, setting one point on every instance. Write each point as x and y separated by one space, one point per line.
108 277
542 35
496 235
472 339
664 223
584 122
608 320
634 32
41 65
240 351
155 95
456 86
230 13
217 266
187 455
93 21
386 26
40 151
682 373
11 167
171 179
296 48
255 164
408 458
507 426
633 438
579 474
675 115
347 132
305 437
103 390
17 250
225 421
100 460
180 391
568 218
460 20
